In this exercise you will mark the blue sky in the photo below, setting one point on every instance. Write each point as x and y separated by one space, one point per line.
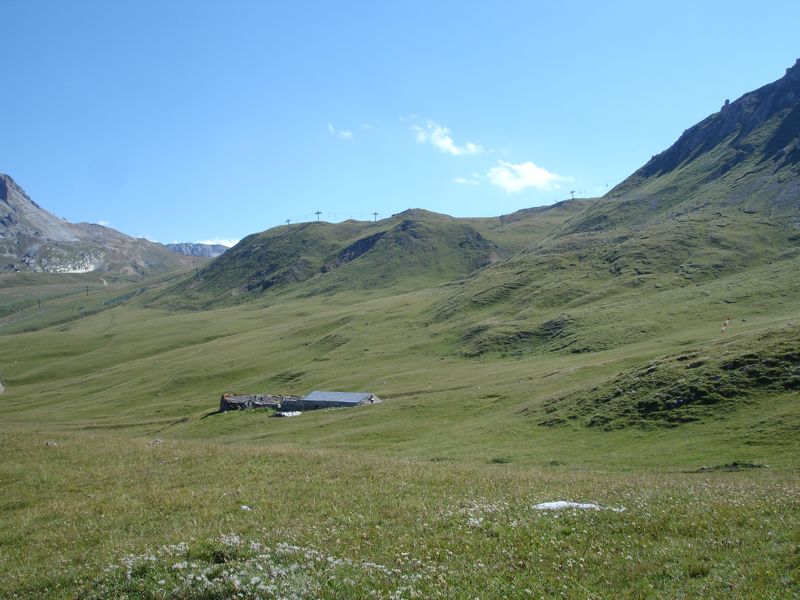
200 120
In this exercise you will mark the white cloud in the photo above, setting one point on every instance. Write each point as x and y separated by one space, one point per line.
517 177
439 136
342 134
222 241
466 181
103 223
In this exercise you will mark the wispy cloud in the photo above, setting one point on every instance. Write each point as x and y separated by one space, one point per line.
466 181
517 177
439 136
222 241
342 134
103 223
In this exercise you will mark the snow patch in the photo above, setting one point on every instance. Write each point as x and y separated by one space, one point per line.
85 268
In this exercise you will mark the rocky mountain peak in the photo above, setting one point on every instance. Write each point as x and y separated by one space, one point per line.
777 102
11 190
32 239
794 70
21 216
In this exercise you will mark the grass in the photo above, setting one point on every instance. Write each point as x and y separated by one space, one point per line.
580 368
130 518
412 250
428 494
690 386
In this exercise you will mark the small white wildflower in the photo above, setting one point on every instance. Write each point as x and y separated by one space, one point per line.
231 539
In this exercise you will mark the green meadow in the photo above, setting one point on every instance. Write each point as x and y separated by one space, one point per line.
119 479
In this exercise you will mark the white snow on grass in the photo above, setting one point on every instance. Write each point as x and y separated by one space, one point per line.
565 504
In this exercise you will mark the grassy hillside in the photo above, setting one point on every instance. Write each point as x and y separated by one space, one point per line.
113 453
586 367
451 382
411 250
744 158
573 369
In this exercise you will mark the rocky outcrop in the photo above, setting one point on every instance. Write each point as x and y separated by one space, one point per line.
353 251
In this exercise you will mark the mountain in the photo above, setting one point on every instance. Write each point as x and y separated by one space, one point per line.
723 198
746 157
410 250
193 249
721 202
32 239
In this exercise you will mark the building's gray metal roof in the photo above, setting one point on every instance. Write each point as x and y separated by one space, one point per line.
349 397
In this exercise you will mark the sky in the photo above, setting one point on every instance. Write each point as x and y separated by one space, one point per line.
209 120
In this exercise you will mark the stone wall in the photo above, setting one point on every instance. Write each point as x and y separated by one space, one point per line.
282 403
249 401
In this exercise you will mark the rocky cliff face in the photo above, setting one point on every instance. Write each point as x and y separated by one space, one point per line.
32 239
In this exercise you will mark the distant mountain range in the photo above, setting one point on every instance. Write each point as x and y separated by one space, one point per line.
32 239
195 249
